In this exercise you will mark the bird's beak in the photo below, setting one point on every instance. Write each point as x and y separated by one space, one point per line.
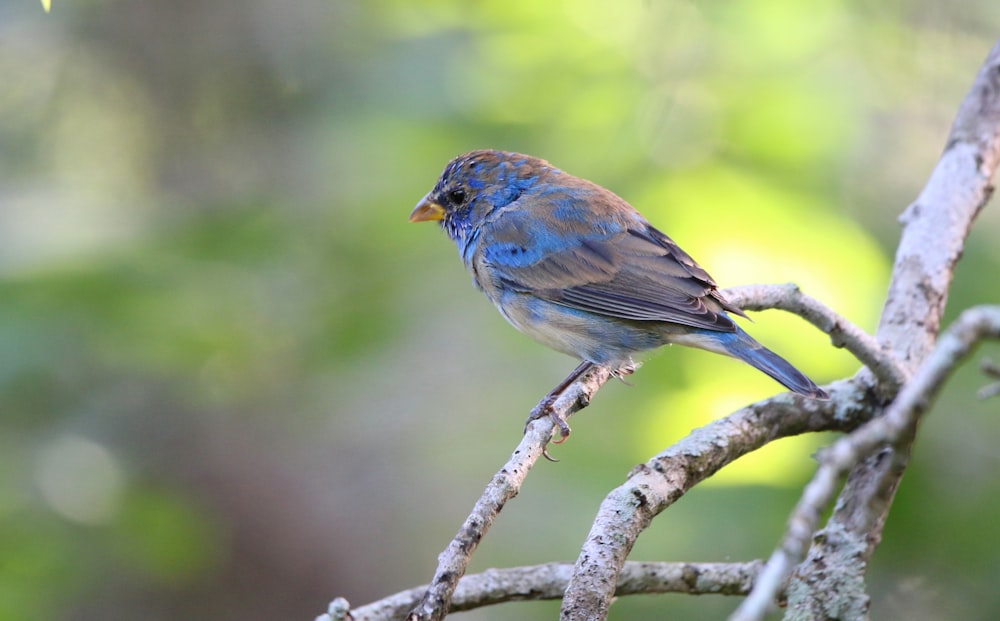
427 210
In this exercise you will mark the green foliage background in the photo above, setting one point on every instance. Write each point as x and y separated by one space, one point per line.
235 383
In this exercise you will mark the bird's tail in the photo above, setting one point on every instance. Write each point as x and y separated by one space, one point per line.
742 346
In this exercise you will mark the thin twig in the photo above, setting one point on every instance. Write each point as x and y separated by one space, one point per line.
504 485
548 581
900 418
842 332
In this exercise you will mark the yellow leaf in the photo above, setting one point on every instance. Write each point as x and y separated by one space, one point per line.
47 5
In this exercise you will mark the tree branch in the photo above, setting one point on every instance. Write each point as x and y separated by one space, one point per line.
936 226
654 486
896 426
504 485
548 581
842 332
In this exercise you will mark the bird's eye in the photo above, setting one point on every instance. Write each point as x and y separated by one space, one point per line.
456 197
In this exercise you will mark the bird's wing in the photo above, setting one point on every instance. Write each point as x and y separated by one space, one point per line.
638 274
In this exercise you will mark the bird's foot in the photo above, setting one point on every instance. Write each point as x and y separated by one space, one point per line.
546 407
543 409
626 369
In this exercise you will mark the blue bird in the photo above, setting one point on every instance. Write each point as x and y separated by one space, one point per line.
578 269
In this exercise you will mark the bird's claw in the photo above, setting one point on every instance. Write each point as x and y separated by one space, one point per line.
542 410
624 371
563 426
546 407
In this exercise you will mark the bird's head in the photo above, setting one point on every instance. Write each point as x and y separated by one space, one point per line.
476 184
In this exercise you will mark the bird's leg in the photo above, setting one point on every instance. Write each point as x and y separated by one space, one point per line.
544 407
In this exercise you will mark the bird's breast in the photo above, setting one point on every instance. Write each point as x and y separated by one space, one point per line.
587 336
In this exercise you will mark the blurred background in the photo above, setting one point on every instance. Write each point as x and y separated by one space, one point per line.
236 383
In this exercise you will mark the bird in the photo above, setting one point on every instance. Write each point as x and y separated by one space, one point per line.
578 269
